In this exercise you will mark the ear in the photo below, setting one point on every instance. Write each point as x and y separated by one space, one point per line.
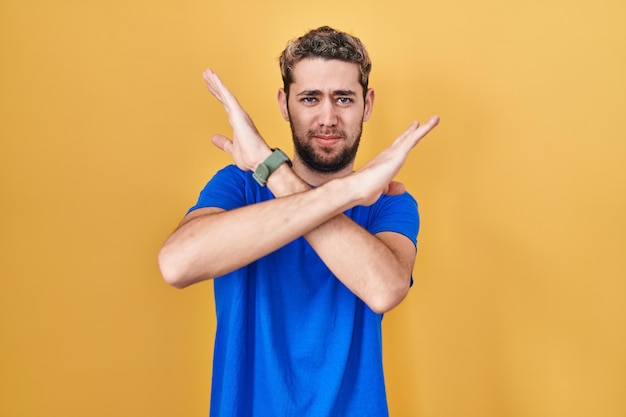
369 104
282 103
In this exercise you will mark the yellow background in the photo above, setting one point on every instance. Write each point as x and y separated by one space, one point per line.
519 304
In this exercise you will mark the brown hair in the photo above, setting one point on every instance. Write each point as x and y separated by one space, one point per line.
326 43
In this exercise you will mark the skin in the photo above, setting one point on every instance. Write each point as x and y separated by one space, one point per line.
327 123
376 268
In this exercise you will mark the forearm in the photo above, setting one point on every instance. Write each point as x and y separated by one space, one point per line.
210 245
377 271
366 263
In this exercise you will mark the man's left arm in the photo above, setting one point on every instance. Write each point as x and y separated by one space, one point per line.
376 268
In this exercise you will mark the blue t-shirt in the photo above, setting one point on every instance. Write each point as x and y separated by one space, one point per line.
291 339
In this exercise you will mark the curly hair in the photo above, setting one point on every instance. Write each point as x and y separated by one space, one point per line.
326 43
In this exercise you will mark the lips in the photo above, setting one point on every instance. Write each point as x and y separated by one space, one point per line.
327 140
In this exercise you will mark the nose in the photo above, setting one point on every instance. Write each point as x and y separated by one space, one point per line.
328 114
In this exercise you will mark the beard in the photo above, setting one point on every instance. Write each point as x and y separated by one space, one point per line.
326 159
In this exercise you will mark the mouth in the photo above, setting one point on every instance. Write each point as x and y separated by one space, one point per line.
327 140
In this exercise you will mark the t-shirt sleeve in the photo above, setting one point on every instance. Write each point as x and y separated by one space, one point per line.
225 190
396 214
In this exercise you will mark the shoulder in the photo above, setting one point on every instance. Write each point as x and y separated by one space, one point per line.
391 213
402 203
229 172
231 176
230 188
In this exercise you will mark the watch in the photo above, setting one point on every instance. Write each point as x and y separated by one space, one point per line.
271 164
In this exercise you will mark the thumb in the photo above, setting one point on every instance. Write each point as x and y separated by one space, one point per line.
395 188
223 143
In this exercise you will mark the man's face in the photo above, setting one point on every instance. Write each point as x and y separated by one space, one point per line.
326 110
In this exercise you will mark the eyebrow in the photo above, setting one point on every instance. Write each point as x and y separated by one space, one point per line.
311 93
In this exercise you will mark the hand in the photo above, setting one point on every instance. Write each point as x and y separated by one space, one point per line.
376 177
247 148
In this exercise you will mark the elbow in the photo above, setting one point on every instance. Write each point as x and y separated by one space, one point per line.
170 269
383 306
386 301
179 269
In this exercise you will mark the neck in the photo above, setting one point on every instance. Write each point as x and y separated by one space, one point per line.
317 178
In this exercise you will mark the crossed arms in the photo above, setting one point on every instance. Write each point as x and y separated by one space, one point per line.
210 242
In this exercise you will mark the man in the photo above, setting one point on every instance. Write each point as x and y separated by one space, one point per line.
306 255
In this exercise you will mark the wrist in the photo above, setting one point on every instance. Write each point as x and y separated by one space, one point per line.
263 155
275 160
348 188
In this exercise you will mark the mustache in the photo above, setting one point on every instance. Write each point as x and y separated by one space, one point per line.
327 132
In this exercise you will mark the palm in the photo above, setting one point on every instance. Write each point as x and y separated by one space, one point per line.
247 146
378 174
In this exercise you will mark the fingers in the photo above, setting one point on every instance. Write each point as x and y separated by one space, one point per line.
223 94
211 78
212 81
412 128
430 124
427 127
415 132
218 89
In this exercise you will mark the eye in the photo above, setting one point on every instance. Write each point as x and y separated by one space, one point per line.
345 101
308 100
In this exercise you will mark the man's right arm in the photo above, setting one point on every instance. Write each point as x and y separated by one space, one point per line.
210 242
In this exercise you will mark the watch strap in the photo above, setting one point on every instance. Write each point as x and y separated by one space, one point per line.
271 164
